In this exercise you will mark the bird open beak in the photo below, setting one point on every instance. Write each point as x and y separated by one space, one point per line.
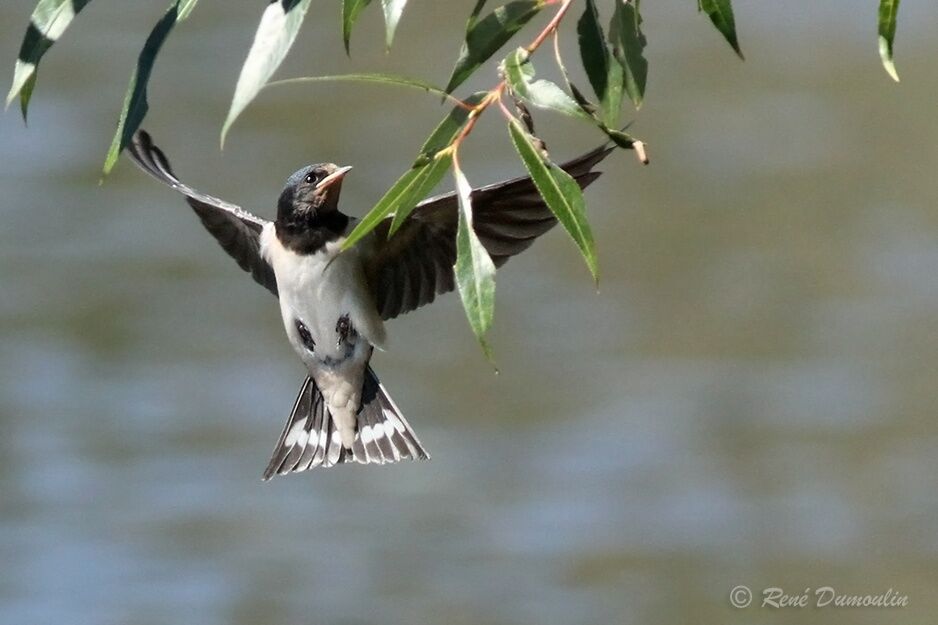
333 178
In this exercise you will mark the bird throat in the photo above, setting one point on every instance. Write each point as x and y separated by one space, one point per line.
308 236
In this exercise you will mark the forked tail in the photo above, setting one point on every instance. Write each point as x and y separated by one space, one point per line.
310 438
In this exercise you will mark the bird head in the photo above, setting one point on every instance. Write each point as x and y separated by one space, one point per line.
311 195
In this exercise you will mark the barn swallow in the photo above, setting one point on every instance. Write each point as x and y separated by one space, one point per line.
334 304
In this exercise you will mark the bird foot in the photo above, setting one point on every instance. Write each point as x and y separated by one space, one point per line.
345 330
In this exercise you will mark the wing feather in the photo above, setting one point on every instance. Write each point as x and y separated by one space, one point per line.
236 230
416 264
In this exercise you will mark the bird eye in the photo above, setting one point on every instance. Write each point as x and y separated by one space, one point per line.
311 178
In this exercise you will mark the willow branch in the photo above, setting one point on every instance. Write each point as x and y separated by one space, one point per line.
495 94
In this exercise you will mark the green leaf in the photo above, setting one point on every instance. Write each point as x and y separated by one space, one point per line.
135 101
426 177
588 107
350 12
474 16
593 51
386 79
721 14
621 139
276 32
618 137
519 72
26 94
411 187
441 138
48 22
888 10
474 269
615 87
605 75
484 37
185 8
392 15
419 180
560 192
628 42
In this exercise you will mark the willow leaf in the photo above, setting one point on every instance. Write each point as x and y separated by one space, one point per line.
560 192
47 24
392 15
593 50
485 36
628 44
474 269
385 79
888 10
519 72
351 9
427 171
135 100
276 32
720 13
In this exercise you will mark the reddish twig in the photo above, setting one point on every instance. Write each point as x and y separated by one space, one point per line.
495 94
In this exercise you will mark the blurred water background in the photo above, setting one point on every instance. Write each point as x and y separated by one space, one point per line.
749 400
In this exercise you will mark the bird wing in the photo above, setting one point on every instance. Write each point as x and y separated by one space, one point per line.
237 230
416 264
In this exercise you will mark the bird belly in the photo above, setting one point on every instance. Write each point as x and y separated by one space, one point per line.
331 322
319 289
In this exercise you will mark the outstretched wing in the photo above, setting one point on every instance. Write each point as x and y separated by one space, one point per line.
237 230
416 264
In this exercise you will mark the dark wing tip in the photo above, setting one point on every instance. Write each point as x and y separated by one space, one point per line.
584 163
148 157
585 180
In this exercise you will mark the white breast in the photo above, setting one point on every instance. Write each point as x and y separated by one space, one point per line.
320 288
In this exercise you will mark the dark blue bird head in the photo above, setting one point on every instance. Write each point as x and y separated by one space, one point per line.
311 192
309 203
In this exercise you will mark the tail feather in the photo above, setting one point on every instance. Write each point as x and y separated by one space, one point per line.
383 442
310 438
367 432
402 433
296 433
314 438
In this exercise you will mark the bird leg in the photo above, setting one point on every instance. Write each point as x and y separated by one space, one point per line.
345 330
305 336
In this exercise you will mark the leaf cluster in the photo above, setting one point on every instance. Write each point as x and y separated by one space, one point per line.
612 59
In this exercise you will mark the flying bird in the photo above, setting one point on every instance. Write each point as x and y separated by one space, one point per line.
334 304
